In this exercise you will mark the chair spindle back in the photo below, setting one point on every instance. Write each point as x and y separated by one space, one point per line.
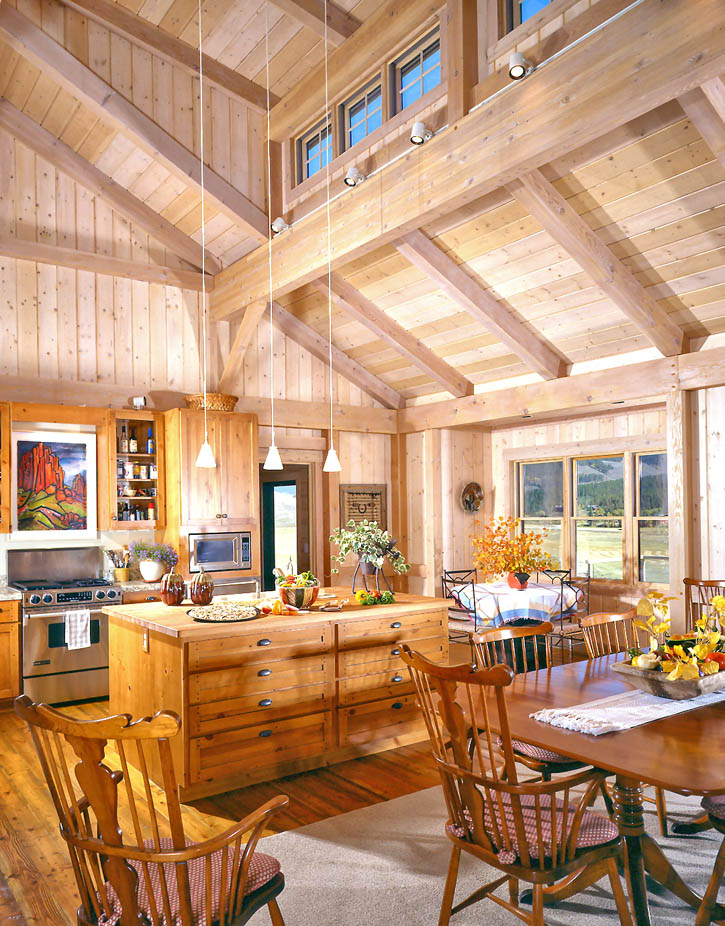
698 593
522 648
605 634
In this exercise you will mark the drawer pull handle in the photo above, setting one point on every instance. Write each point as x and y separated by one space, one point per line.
397 706
265 733
265 702
396 625
395 652
263 673
397 678
151 598
218 516
264 642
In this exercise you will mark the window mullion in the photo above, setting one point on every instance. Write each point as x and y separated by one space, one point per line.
630 574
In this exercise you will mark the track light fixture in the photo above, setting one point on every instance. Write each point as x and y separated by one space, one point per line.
420 134
519 67
279 225
353 176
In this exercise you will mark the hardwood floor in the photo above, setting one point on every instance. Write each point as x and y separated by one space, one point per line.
36 881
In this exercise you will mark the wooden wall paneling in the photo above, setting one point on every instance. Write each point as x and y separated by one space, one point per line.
399 500
679 487
461 53
330 515
5 481
433 558
415 480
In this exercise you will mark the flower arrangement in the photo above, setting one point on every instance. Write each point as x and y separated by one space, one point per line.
718 606
156 552
370 543
501 549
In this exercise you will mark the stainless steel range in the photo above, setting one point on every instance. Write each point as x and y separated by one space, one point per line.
56 583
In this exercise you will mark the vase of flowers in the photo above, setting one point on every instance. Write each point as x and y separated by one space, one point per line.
372 545
154 559
503 550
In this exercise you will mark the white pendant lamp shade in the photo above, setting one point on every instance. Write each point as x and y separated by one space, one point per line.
332 463
206 456
273 461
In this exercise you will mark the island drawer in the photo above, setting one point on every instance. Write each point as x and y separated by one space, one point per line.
373 687
389 629
253 708
9 612
140 597
380 658
260 645
265 745
391 719
260 677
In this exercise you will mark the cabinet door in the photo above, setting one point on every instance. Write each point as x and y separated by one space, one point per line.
200 501
238 469
9 660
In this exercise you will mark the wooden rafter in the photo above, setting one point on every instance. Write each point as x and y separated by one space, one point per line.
65 159
714 90
568 228
235 359
481 305
705 117
100 263
141 32
353 302
340 24
530 124
307 337
42 51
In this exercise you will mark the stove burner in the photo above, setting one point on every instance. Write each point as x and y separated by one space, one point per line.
34 586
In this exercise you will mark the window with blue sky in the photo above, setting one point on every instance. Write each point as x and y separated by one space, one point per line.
418 72
363 115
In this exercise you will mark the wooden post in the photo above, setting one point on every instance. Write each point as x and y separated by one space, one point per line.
679 485
330 513
461 55
432 508
399 501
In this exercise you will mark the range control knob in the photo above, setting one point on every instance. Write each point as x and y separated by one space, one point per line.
112 593
100 594
47 598
35 599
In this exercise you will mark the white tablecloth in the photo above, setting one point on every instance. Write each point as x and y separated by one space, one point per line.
497 603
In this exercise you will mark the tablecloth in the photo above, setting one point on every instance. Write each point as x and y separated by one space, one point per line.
497 603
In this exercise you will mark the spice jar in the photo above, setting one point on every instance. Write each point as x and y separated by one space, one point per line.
202 588
173 588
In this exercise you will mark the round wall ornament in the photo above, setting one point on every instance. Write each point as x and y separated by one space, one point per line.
472 496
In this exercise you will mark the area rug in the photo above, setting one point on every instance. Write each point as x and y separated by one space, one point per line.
386 865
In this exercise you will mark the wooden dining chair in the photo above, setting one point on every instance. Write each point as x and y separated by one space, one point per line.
698 593
125 837
539 832
715 810
604 635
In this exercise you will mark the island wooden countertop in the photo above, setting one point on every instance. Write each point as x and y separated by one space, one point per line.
175 622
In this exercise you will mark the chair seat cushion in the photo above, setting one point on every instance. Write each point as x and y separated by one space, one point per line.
594 830
262 869
537 753
715 805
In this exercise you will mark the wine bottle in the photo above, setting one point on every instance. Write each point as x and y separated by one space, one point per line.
124 440
133 443
150 442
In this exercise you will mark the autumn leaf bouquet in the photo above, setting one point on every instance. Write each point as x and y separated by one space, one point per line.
503 549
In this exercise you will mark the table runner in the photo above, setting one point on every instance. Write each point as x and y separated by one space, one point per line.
621 712
497 603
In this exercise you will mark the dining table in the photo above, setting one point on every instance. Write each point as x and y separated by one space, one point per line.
681 753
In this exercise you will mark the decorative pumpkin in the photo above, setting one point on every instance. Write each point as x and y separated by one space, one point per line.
202 588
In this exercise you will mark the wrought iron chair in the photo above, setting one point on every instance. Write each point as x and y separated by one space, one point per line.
538 832
450 579
150 874
568 631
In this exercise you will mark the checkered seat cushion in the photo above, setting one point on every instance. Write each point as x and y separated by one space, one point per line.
537 753
595 830
262 869
715 805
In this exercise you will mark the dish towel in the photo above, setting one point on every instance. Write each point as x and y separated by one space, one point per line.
78 628
621 712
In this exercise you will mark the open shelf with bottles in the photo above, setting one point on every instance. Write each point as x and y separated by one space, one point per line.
137 471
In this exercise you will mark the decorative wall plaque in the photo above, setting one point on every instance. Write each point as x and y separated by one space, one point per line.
364 503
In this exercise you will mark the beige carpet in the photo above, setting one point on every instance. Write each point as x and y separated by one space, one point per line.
386 865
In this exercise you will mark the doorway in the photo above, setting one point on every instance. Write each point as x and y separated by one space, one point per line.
285 521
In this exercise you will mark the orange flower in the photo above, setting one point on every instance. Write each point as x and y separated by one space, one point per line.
501 549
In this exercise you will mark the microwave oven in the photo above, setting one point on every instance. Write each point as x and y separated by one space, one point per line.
220 552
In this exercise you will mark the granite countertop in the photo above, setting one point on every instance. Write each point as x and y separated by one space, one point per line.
140 586
9 594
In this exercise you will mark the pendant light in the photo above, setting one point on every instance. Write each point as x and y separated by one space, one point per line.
273 460
205 459
332 462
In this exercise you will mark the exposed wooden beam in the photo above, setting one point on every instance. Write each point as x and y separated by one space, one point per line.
235 360
462 55
521 340
141 32
353 302
318 346
65 159
544 202
706 119
101 263
80 81
714 90
340 24
526 126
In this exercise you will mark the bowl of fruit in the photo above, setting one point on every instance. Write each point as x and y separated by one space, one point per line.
299 591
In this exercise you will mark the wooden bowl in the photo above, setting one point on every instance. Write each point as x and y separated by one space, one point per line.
679 689
299 596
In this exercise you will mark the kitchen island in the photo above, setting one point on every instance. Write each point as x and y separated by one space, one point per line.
277 695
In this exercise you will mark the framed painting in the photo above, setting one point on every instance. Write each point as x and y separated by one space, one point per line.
54 485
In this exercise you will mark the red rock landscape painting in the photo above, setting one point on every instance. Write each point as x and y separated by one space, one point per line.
52 491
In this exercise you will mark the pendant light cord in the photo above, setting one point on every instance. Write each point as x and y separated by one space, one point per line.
203 224
269 224
329 243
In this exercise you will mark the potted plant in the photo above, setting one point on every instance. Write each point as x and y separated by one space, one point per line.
154 559
372 545
500 550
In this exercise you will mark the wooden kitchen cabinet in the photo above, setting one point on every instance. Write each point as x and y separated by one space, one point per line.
9 649
148 476
5 525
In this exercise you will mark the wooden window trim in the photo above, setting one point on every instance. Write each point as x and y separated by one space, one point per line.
395 67
344 109
637 516
304 139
